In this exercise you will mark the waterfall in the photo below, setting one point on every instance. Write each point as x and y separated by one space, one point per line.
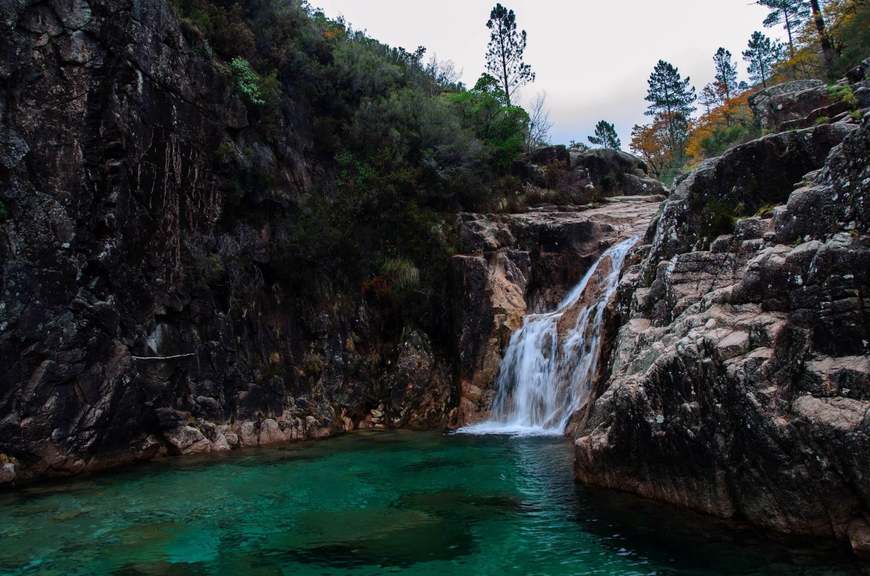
545 374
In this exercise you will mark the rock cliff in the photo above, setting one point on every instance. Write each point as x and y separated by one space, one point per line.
738 356
145 304
140 311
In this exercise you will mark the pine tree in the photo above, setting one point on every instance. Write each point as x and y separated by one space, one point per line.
709 97
606 136
671 99
725 79
504 55
792 14
762 54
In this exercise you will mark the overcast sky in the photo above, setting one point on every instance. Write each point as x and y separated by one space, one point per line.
592 57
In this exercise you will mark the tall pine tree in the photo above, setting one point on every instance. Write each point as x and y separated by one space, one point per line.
671 98
504 55
792 14
762 54
725 79
606 136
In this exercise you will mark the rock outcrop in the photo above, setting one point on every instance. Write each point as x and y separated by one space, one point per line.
805 103
739 347
588 176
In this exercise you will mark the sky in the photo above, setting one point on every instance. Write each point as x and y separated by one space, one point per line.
592 57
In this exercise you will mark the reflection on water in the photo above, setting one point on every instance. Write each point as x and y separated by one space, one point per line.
398 503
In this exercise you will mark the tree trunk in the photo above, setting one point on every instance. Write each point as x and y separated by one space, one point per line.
504 72
824 39
788 29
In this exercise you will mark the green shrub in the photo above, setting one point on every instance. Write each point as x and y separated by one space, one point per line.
843 93
500 127
247 81
725 137
402 274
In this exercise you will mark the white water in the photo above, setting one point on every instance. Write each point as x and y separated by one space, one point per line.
543 377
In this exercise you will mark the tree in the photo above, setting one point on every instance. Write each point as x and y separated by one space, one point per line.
539 123
790 13
504 55
709 98
762 54
671 100
606 136
649 141
827 47
487 84
725 79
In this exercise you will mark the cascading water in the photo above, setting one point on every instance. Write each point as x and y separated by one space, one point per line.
545 373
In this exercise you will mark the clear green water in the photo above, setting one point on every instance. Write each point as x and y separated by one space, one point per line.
396 503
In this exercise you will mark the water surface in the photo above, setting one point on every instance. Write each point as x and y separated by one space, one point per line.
366 504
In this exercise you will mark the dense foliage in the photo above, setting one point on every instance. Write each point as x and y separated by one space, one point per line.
398 146
824 40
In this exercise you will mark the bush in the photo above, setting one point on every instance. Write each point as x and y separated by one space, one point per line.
247 81
843 93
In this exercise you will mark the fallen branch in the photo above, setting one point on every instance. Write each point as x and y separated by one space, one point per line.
162 358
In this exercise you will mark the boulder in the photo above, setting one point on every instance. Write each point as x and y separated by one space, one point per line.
787 102
189 440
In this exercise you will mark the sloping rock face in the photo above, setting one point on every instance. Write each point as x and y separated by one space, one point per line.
140 313
804 103
516 264
737 380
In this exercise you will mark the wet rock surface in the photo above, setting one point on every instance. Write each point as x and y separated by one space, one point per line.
737 359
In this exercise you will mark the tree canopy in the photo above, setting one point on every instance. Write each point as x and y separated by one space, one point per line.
761 55
725 79
671 99
504 55
606 136
791 14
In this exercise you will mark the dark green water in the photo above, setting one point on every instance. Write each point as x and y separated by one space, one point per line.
402 503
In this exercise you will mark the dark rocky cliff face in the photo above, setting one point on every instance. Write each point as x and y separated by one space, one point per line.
739 363
140 314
